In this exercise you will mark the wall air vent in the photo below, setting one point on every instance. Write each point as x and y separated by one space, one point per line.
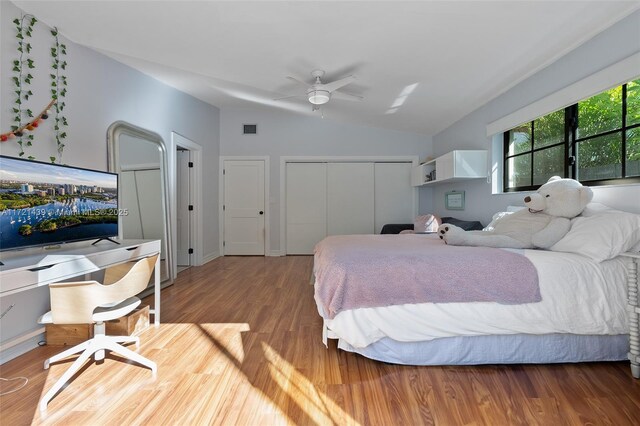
249 129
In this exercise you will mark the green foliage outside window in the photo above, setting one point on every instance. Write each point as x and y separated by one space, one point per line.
633 135
592 131
549 129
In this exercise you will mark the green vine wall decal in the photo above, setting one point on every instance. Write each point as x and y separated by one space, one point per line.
22 80
24 120
58 92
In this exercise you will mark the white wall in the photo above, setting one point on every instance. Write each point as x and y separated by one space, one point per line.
283 133
609 47
101 91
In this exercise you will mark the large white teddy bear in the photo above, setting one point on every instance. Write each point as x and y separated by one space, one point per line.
542 224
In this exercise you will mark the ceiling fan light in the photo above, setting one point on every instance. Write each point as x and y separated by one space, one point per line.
319 97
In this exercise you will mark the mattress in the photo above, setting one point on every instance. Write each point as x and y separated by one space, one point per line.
579 296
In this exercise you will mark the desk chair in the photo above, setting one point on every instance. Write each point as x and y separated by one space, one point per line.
89 302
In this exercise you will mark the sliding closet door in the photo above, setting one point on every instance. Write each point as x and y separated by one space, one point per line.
350 200
394 199
306 206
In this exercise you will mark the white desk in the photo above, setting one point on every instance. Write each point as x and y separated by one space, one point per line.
24 270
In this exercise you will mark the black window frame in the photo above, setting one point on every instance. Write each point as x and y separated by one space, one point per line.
570 143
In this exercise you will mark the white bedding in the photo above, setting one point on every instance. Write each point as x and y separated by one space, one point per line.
579 296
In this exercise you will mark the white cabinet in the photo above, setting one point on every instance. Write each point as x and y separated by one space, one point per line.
451 167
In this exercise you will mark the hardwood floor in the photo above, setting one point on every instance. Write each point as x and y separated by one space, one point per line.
240 343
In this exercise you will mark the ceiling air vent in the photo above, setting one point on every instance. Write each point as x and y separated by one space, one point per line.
249 129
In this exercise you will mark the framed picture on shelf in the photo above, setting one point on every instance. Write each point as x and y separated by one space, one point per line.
454 200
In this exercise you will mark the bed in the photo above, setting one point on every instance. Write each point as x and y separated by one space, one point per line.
581 312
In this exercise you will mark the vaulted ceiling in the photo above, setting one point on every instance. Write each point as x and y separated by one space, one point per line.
420 66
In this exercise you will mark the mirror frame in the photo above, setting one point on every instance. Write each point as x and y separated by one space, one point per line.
114 132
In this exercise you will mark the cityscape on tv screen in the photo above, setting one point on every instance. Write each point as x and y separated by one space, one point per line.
43 204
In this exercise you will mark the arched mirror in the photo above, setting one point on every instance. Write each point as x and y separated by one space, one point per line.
139 156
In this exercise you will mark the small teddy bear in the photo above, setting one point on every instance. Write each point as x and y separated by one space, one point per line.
542 224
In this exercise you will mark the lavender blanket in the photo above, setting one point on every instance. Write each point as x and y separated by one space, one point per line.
364 271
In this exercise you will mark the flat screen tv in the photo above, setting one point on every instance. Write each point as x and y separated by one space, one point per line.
46 204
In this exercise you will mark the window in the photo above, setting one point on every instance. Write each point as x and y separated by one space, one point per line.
596 141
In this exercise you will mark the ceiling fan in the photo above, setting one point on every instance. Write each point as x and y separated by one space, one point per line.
319 93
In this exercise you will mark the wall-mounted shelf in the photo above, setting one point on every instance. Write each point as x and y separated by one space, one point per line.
451 167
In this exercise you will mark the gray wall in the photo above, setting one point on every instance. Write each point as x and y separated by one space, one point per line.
609 47
288 134
101 91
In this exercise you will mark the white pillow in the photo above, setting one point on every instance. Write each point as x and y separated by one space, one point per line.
601 236
595 208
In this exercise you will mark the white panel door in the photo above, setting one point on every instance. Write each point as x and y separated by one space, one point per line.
394 200
350 200
306 206
183 218
244 207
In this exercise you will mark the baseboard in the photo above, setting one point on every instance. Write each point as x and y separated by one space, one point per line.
21 348
211 256
271 253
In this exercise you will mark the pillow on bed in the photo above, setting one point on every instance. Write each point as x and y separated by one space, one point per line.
593 209
426 223
601 236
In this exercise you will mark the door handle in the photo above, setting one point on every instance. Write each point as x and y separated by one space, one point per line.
261 212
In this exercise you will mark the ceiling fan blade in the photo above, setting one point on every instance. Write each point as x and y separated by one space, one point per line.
298 81
287 97
347 96
335 85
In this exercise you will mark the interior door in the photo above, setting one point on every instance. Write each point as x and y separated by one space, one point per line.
350 200
244 207
183 213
